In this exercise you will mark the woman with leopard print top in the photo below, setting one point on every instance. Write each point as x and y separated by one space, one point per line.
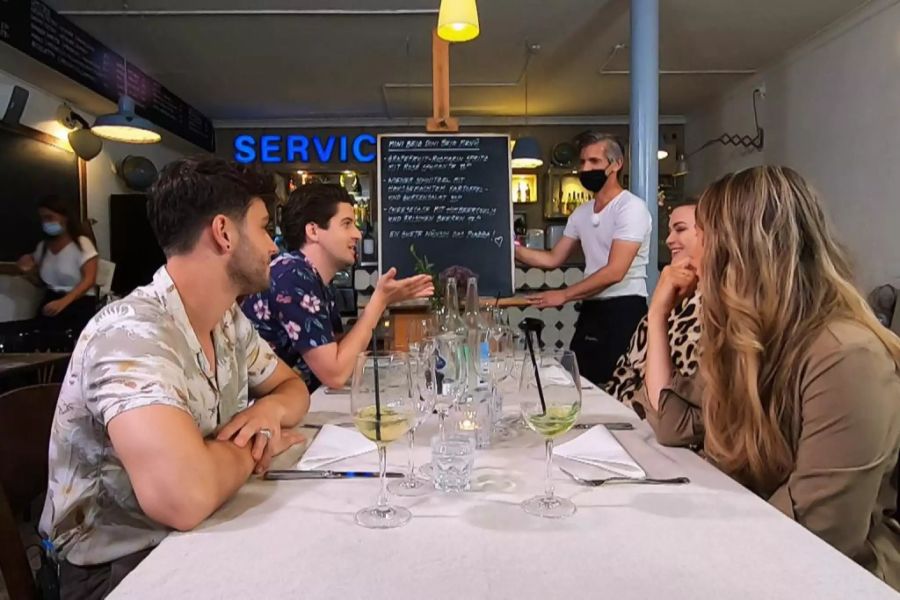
684 322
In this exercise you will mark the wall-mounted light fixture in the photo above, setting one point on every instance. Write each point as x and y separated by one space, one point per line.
728 139
83 141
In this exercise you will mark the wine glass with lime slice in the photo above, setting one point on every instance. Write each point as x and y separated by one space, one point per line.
550 401
383 410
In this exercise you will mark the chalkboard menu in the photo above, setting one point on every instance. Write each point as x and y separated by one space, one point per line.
448 196
37 30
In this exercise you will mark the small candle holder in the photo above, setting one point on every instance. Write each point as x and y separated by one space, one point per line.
476 418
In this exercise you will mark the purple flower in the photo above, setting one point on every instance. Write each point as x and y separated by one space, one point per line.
462 275
311 303
282 299
261 308
292 329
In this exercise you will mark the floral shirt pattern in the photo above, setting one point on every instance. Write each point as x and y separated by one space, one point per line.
297 312
137 352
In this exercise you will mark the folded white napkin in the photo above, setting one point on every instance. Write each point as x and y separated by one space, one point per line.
598 447
334 443
556 375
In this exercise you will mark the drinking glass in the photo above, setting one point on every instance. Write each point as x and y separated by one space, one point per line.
421 367
550 401
383 410
453 457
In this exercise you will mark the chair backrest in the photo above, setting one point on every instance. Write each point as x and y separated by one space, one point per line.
105 272
895 323
13 561
26 415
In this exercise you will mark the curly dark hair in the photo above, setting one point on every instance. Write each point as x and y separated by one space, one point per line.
311 203
190 192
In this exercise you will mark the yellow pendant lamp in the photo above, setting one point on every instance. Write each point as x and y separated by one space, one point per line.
458 20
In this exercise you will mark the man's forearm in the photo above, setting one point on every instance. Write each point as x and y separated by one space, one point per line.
231 466
218 474
535 258
592 285
358 338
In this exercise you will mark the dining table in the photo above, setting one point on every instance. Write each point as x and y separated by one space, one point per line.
710 538
43 363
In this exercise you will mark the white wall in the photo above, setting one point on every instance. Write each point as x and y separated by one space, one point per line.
40 114
832 112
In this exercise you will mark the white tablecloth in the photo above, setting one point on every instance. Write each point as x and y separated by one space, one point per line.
709 539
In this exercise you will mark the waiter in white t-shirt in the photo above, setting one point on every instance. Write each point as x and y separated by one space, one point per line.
614 231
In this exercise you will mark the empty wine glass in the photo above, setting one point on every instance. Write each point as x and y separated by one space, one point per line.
419 329
421 367
383 410
499 364
550 401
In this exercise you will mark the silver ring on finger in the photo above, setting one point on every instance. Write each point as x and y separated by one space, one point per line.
267 433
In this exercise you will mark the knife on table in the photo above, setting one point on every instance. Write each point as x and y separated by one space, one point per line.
277 474
616 426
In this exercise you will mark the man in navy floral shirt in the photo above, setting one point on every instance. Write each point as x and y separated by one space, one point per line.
297 314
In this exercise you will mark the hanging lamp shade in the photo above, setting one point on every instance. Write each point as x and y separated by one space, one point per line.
458 20
526 154
125 126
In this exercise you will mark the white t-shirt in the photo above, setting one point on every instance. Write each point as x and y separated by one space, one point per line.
62 272
625 218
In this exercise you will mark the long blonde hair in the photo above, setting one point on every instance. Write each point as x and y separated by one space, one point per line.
772 276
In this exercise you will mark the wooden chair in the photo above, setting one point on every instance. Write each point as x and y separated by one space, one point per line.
26 415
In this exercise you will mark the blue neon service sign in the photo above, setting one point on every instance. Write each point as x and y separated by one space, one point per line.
274 149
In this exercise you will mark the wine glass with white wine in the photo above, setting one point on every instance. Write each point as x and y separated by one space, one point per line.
383 410
550 400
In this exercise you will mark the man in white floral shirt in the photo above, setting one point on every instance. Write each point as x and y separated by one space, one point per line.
171 399
297 314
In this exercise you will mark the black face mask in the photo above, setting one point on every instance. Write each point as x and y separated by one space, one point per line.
593 181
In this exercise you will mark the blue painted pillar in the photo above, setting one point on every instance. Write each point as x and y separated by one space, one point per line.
644 122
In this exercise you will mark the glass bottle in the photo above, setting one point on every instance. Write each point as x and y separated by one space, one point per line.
453 323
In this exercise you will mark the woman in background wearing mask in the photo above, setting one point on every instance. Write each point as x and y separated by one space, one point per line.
66 263
683 321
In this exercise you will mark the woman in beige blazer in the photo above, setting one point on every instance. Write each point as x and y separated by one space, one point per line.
798 394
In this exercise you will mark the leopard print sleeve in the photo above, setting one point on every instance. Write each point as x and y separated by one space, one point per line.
684 337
